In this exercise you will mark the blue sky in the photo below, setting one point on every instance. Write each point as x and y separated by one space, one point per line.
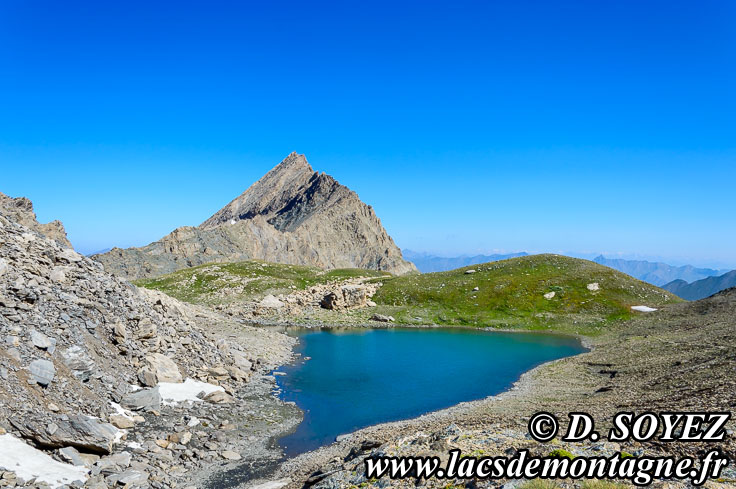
470 126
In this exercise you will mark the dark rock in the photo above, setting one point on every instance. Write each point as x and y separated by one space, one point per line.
329 301
382 318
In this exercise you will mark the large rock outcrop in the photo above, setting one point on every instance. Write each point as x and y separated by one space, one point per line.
20 210
291 215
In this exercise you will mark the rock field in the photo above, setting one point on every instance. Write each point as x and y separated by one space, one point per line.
85 357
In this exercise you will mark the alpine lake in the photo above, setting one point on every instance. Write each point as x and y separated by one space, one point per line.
349 378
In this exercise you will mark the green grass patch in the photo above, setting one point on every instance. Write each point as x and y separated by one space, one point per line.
511 294
247 280
562 453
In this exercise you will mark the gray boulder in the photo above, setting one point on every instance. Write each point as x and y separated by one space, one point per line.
165 369
79 362
142 399
42 341
271 302
129 478
43 372
382 318
78 431
354 295
72 455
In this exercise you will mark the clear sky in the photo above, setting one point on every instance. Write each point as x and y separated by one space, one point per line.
470 126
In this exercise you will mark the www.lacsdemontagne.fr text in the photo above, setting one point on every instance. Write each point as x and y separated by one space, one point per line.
639 470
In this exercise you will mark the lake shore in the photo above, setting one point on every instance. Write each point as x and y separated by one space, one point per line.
362 377
669 360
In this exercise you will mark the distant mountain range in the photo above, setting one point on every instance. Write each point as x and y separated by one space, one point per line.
657 273
427 263
700 289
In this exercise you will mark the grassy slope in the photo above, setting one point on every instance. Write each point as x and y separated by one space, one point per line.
511 295
246 280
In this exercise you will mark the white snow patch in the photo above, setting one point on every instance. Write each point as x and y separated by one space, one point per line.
643 308
121 411
29 463
119 436
185 391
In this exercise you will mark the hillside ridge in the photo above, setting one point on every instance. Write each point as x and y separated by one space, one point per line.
428 263
532 292
529 292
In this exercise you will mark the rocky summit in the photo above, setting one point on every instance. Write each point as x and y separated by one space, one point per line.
291 215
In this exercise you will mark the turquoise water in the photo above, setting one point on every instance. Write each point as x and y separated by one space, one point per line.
361 377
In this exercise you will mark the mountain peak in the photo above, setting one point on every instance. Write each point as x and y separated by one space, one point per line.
269 193
290 215
294 164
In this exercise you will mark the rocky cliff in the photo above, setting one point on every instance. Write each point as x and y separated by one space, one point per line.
291 215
